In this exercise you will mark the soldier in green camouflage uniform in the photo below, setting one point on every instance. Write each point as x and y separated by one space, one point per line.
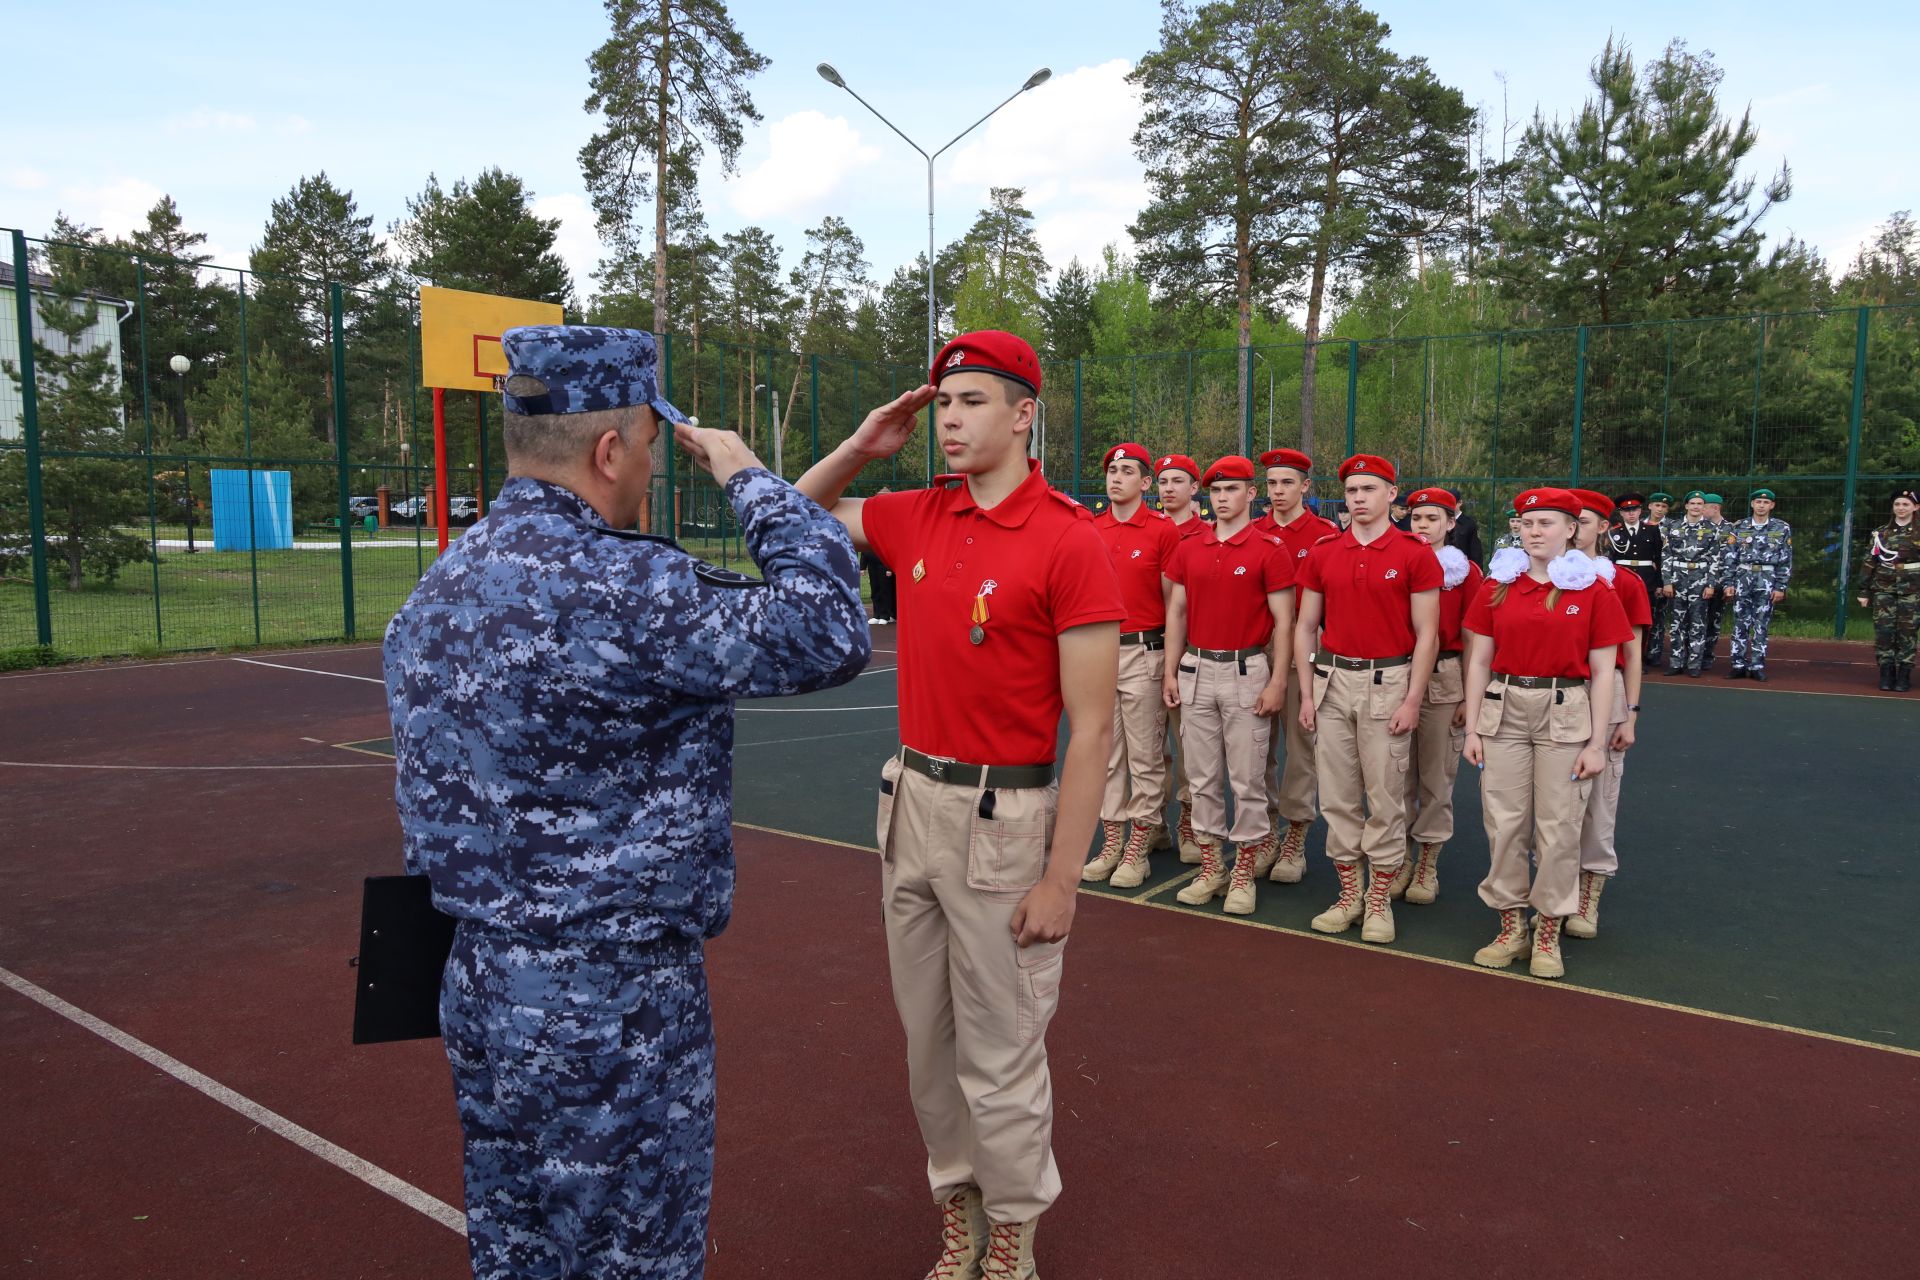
1755 565
1717 602
1659 503
1890 586
1511 538
1692 565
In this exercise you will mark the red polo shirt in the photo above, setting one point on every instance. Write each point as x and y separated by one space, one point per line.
1141 548
1228 584
1037 567
1453 605
1306 529
1634 603
1368 589
1192 527
1531 640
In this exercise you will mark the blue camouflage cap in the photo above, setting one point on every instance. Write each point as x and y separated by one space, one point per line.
584 367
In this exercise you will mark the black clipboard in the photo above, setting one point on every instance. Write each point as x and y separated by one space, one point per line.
404 942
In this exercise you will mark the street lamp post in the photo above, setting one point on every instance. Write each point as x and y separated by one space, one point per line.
833 77
180 365
1263 360
774 427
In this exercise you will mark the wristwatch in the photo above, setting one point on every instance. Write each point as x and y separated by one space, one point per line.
1633 706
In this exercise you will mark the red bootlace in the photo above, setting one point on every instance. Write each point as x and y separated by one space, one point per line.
953 1230
1549 932
1003 1243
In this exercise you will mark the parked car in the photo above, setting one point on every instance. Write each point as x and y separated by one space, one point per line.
463 510
408 509
362 507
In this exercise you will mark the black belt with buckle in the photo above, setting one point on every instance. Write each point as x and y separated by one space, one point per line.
1010 777
1540 682
1359 664
1228 655
1447 653
1151 639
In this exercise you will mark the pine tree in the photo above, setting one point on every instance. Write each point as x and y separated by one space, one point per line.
1069 313
485 237
824 288
1006 269
258 412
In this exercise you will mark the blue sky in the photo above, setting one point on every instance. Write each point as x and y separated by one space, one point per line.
225 105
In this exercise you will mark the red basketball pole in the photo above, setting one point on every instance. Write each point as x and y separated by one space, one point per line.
440 463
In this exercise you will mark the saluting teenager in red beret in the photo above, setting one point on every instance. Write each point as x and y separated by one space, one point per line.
1539 688
1376 588
1293 795
1177 477
1441 733
1009 613
1229 618
1141 541
1599 859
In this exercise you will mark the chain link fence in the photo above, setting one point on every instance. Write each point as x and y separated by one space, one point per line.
110 449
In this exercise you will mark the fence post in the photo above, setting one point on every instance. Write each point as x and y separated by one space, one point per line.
1073 487
336 306
1353 390
666 440
813 404
1854 414
1579 400
1189 411
146 418
1666 404
246 449
30 425
1426 392
1759 374
1499 385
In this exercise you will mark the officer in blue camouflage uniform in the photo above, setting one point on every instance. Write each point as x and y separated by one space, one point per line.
562 699
1692 567
1755 565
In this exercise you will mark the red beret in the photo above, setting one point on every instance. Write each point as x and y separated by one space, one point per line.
1561 500
1368 464
1231 467
1433 497
1133 453
1178 462
989 351
1287 458
1593 500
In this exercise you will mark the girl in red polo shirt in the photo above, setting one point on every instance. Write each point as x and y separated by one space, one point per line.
1431 515
1540 667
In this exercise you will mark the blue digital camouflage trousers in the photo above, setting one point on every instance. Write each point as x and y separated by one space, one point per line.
584 1078
1752 620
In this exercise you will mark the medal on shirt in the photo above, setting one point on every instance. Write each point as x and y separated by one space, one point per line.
979 633
919 570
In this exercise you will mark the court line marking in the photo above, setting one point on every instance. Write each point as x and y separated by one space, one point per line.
1464 966
818 737
365 1170
86 666
181 768
794 711
312 671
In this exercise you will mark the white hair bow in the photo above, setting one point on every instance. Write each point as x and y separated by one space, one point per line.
1572 571
1453 566
1507 564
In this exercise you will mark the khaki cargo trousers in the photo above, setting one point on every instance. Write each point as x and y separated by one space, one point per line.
1224 744
1436 756
1361 768
1136 789
1532 738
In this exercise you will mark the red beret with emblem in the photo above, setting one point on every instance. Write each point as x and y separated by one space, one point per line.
1133 453
1434 496
1547 499
1178 462
1231 467
1595 501
1287 458
1368 464
989 351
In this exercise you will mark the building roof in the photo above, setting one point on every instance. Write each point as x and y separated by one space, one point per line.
40 282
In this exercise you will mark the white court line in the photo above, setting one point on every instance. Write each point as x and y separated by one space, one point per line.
88 668
818 737
373 1175
800 711
183 768
312 671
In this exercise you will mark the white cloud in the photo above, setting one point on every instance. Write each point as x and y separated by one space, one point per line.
116 208
212 120
1070 144
577 242
809 155
26 179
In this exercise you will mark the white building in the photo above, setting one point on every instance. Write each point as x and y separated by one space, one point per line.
108 313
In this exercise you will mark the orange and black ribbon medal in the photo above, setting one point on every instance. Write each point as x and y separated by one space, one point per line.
979 633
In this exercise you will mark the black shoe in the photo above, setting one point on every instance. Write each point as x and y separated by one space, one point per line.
1738 673
1695 672
1903 678
1886 677
1673 671
1758 673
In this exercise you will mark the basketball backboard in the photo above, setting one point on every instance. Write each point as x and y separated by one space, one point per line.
460 335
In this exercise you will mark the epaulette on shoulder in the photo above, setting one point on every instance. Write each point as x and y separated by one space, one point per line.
714 575
1326 537
1066 501
1159 515
1273 539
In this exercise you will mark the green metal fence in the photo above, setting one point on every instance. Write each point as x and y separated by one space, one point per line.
321 381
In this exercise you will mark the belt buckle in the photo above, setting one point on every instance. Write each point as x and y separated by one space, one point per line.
1528 681
937 767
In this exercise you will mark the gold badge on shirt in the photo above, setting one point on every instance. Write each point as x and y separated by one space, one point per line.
919 570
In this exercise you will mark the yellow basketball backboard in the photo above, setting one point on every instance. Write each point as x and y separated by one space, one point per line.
460 335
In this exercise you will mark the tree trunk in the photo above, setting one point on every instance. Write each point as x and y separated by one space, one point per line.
660 240
1310 356
1243 296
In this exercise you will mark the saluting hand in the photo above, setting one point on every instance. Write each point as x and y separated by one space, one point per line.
888 428
719 453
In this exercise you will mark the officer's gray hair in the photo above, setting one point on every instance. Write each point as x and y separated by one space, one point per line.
557 439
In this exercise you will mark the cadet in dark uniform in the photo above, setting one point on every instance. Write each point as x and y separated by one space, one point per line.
562 701
1637 544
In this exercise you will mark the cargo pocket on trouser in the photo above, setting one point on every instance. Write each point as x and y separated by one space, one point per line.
1487 724
1040 966
1187 680
1007 853
1322 681
1400 751
528 1031
1386 690
883 818
1569 721
1248 684
1446 686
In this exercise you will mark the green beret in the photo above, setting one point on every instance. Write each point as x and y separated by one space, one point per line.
1659 496
1762 493
1713 498
1697 493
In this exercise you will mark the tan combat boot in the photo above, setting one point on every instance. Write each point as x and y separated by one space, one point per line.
1291 861
1376 924
1339 917
1397 886
1265 851
963 1237
1546 961
1162 838
1135 866
1425 886
1247 868
1212 880
1508 945
1586 924
1010 1252
1189 841
1113 844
